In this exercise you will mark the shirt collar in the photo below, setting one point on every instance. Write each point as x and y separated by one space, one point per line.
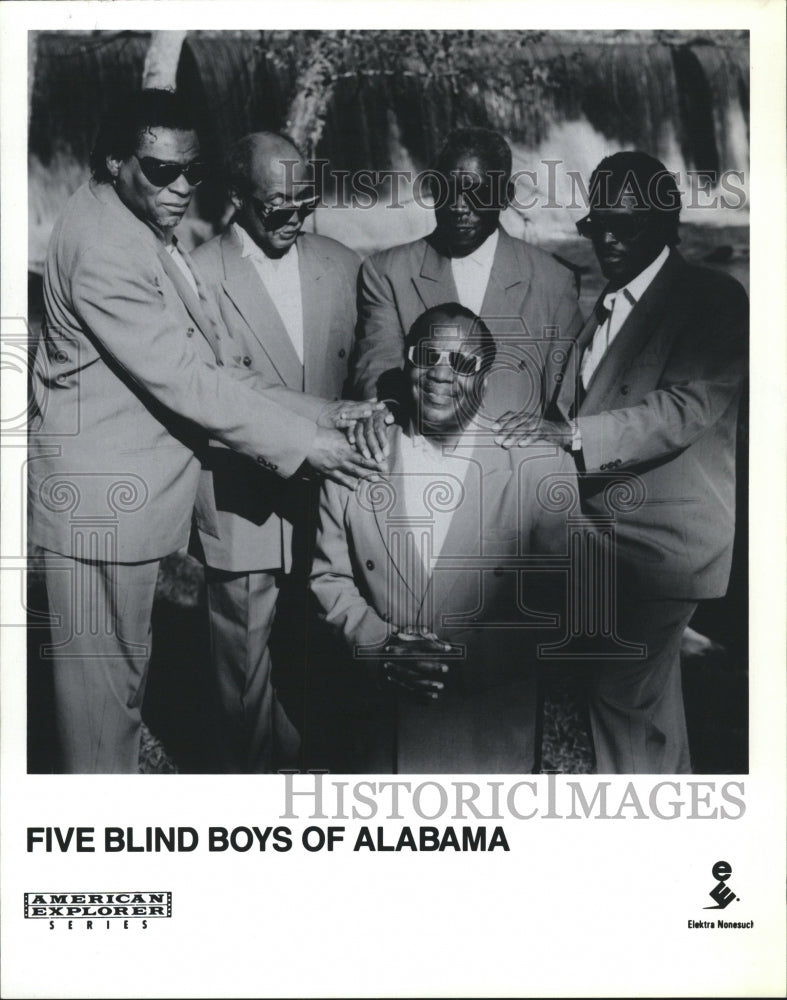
637 287
250 249
483 255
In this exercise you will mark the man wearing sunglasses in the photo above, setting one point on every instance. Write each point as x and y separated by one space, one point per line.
651 387
286 300
421 573
523 294
130 377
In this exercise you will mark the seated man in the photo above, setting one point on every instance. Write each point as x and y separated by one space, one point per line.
421 572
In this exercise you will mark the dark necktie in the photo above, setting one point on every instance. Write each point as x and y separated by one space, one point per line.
601 314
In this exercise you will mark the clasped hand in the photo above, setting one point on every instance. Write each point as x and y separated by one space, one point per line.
413 662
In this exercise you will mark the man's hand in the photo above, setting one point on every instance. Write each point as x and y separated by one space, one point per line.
516 429
343 414
412 662
370 434
333 455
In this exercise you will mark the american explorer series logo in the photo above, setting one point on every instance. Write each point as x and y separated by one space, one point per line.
97 905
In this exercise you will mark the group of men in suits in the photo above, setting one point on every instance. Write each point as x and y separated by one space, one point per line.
169 386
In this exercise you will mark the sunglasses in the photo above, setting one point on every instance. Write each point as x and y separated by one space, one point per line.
272 216
162 173
424 356
621 227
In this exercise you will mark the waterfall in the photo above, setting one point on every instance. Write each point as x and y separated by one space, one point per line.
384 100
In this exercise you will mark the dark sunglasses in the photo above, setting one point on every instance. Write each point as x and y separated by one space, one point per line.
622 227
424 356
162 173
272 216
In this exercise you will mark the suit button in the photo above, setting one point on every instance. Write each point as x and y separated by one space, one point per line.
624 390
61 357
247 361
369 564
342 352
190 331
558 377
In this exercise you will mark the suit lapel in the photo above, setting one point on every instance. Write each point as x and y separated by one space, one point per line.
316 296
196 308
453 587
246 291
449 585
387 505
435 283
639 329
568 388
509 279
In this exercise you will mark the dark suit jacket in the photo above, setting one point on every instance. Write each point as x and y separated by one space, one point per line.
365 579
128 377
530 302
663 405
244 513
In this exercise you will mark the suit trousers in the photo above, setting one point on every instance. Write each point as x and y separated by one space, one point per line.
100 653
636 706
253 732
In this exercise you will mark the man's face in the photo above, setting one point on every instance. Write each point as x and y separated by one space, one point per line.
625 240
279 197
162 205
445 376
470 197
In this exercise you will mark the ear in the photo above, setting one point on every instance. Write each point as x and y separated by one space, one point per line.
237 200
113 166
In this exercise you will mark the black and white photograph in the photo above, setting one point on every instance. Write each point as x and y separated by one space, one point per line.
284 564
385 447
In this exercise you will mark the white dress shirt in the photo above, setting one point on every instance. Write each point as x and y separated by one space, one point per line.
471 274
282 281
618 304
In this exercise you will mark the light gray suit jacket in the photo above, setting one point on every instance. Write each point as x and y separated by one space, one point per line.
366 580
245 514
663 406
129 376
530 306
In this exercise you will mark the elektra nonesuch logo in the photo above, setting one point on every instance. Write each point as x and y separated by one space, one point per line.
100 905
721 893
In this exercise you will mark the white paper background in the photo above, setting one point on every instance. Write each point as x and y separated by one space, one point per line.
582 907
